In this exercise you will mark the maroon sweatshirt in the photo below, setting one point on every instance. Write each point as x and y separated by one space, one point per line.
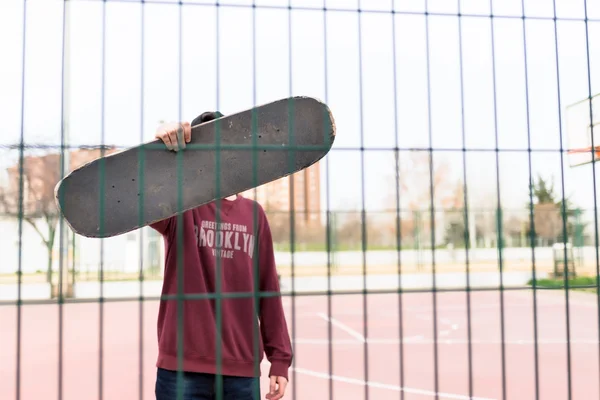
237 241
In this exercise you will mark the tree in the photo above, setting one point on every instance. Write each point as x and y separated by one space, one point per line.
548 211
417 185
543 192
418 179
455 216
40 174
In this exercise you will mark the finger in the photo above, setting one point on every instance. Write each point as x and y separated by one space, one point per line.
174 141
283 386
187 130
180 136
281 390
278 394
166 140
273 385
275 396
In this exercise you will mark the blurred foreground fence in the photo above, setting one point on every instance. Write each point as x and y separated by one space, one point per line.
460 106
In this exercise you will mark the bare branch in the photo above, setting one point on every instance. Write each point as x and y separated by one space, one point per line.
417 182
34 225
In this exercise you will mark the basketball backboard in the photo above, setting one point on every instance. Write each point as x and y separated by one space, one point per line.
581 129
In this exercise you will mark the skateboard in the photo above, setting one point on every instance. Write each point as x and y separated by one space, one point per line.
133 188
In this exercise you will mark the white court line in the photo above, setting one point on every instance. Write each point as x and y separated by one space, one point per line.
461 308
351 341
343 327
379 385
509 342
445 321
421 340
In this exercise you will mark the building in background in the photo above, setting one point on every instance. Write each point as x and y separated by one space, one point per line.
276 196
40 173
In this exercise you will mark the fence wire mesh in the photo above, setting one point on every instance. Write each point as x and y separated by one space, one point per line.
446 247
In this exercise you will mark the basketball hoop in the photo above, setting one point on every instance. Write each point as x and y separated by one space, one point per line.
588 150
583 131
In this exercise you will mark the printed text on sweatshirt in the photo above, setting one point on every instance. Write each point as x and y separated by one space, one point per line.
236 243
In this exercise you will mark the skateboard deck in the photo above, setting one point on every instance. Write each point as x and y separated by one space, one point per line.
135 187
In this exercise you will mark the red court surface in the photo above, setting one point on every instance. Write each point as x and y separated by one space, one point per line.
316 375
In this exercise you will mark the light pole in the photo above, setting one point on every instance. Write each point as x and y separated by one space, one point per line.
65 285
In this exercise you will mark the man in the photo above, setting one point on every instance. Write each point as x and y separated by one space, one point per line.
229 238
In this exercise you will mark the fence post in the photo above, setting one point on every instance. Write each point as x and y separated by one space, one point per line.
499 236
578 239
333 240
417 233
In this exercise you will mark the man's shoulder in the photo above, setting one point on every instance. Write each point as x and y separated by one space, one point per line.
251 203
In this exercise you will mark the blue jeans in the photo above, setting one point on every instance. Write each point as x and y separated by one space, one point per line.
197 386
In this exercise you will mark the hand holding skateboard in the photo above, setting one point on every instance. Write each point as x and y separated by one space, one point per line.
176 135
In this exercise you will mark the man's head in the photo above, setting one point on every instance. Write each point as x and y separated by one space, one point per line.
206 116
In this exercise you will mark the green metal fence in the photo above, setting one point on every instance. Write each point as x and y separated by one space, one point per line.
444 248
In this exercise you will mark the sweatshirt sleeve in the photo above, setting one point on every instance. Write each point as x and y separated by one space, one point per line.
277 343
162 226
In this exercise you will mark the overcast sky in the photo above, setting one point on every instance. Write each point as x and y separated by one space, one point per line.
364 114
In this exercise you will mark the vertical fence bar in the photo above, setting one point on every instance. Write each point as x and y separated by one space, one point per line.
531 207
181 293
257 290
499 233
219 390
363 206
181 299
219 380
102 173
259 295
142 192
593 144
328 222
563 207
397 199
64 169
292 196
467 235
21 205
431 199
